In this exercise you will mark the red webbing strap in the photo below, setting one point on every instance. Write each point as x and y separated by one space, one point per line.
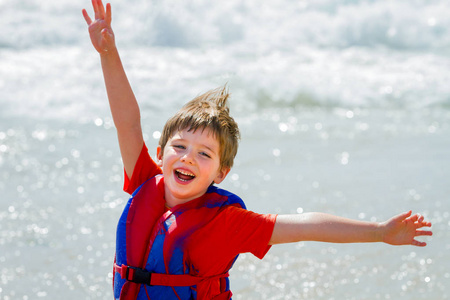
180 280
122 270
166 279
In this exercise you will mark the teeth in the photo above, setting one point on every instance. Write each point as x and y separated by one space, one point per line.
185 173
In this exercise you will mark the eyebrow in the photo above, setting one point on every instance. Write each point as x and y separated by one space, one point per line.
209 148
201 145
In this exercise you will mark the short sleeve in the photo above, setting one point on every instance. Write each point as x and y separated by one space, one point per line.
144 169
249 231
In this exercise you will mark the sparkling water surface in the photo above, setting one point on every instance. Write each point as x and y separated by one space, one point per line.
343 108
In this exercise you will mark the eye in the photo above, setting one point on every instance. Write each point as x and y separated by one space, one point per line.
179 146
205 154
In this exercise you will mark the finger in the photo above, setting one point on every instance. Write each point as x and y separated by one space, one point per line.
421 218
427 224
86 17
108 14
101 9
418 244
402 216
423 233
414 218
105 34
423 224
95 6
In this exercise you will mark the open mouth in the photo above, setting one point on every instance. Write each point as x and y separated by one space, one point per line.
184 176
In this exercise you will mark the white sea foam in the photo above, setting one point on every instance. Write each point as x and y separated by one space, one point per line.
288 51
343 108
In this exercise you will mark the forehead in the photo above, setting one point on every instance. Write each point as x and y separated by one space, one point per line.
205 137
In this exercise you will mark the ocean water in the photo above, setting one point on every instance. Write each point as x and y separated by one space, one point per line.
343 106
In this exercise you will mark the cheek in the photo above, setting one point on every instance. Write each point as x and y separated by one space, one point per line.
168 155
212 168
166 171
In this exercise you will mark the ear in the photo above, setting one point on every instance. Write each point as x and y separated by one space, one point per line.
221 175
159 156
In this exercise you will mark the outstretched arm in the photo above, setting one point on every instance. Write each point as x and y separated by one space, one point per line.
399 230
123 104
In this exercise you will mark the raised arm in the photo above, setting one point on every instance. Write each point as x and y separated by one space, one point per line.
123 104
399 230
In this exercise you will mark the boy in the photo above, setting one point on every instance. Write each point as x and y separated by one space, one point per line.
179 234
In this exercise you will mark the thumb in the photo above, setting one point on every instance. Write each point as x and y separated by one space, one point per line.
105 33
108 35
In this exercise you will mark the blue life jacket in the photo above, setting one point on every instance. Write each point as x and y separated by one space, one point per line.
150 262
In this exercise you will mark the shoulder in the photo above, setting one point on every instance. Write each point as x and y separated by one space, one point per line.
153 186
144 169
226 198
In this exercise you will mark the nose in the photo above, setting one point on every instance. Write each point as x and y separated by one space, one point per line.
187 158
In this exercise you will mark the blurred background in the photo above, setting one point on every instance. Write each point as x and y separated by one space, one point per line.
343 106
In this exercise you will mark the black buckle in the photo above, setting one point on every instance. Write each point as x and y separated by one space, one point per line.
140 276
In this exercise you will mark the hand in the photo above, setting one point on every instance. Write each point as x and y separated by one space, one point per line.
402 229
100 31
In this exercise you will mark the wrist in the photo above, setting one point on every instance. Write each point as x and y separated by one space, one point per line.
108 52
379 232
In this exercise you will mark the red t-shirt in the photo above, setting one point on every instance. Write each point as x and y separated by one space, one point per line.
235 230
144 169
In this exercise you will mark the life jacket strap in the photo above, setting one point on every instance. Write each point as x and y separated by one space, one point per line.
141 276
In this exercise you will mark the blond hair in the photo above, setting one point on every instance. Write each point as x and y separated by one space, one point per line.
207 111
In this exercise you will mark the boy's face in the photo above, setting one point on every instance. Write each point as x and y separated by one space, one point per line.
190 163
